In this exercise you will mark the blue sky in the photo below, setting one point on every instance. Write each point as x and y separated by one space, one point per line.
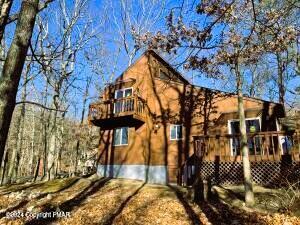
103 14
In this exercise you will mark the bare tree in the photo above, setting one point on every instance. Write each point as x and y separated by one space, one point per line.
84 105
16 151
61 76
5 6
135 17
13 67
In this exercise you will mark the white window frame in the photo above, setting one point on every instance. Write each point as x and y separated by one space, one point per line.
121 136
279 137
123 89
176 125
234 120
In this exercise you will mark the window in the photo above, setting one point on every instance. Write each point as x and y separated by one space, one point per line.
163 75
176 132
123 93
121 136
252 126
121 105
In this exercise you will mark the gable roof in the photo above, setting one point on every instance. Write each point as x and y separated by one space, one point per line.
234 94
168 65
161 60
182 78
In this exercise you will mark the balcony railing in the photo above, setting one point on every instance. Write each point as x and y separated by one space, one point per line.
129 106
269 145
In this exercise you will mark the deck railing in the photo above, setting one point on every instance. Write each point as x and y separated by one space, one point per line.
133 105
269 145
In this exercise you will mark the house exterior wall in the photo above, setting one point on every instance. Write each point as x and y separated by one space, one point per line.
150 154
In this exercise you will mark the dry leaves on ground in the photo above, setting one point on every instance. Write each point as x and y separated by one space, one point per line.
120 201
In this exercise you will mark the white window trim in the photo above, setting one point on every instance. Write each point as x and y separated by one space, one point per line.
229 128
279 137
123 89
121 137
176 139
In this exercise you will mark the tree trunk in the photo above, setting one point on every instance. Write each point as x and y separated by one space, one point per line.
61 147
88 82
13 66
39 152
30 168
249 195
2 53
3 166
5 6
50 157
52 146
22 159
45 126
280 81
36 170
16 151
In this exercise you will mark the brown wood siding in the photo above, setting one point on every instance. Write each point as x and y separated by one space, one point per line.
201 111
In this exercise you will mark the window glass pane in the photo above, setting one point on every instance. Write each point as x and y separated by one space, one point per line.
235 146
163 75
176 132
117 136
235 141
119 94
173 132
253 142
252 125
128 92
179 132
124 140
235 127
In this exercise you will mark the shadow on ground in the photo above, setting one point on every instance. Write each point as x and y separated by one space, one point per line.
189 210
70 204
217 212
112 217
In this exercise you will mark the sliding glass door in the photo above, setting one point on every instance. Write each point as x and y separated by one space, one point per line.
121 104
252 126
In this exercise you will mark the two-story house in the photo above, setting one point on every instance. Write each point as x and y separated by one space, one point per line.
149 115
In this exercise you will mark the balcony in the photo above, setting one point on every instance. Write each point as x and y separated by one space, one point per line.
129 111
263 146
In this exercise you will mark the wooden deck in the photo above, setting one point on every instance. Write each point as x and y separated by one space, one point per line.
263 146
117 111
274 159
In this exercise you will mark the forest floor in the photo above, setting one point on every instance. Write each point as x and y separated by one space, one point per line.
106 201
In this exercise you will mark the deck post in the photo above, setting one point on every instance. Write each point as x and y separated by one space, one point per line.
219 145
206 188
196 159
135 104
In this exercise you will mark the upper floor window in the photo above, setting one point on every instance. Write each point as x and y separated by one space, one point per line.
121 136
176 132
123 93
163 75
122 105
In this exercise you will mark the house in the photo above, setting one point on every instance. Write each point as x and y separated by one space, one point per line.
150 117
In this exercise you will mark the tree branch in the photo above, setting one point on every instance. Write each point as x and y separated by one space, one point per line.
42 6
40 105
